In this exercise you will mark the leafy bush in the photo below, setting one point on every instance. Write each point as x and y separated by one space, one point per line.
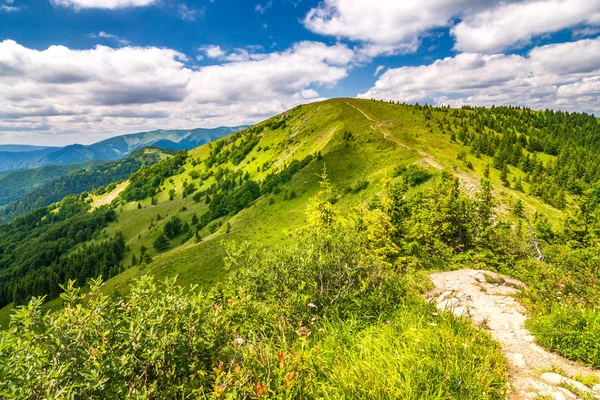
288 324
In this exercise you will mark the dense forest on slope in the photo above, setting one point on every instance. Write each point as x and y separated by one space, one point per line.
335 212
79 181
18 183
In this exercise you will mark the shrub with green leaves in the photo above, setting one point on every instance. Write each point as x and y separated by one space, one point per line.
331 317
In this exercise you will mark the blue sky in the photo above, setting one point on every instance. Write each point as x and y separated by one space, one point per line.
83 70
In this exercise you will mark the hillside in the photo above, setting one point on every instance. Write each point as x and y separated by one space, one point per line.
18 183
94 174
110 149
344 207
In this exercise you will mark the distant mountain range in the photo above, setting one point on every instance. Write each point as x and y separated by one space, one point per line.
19 148
19 157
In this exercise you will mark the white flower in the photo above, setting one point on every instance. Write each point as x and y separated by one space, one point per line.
238 341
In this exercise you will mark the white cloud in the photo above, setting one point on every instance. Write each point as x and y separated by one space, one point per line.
262 8
8 6
105 35
108 4
516 24
564 76
189 14
398 26
378 70
385 26
212 51
237 54
59 92
586 31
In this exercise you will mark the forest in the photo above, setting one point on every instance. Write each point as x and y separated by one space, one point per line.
81 181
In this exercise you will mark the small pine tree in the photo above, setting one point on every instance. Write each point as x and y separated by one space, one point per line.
195 220
227 228
139 206
504 176
519 185
161 243
518 209
171 194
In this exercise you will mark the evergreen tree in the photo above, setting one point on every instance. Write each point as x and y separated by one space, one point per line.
161 243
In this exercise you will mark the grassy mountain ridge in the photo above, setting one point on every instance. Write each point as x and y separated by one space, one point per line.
310 235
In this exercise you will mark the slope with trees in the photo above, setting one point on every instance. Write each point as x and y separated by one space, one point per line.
325 267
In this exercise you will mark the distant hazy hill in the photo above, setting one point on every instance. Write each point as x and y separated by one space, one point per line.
18 148
16 157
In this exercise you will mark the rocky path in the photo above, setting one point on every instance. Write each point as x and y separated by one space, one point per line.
487 298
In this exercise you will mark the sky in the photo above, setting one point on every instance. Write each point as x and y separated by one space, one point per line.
79 71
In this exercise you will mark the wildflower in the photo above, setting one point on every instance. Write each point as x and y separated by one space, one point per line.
238 341
311 306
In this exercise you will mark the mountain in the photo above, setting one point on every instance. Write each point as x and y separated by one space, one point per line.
94 174
309 239
20 148
110 149
18 183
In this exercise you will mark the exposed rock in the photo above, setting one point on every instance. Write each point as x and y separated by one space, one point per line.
552 378
596 388
493 307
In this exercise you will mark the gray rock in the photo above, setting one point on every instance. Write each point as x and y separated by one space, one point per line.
552 378
596 388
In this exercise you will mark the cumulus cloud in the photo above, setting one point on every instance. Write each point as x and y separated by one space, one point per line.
564 76
105 91
386 26
108 4
515 24
392 26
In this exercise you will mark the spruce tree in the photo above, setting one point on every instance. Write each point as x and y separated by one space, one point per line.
161 243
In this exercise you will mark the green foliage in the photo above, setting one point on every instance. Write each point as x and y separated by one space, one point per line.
412 175
79 181
287 325
146 181
36 250
16 184
161 243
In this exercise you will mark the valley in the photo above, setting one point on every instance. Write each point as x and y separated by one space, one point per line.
307 240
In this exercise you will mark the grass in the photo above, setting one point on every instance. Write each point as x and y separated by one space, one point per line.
417 354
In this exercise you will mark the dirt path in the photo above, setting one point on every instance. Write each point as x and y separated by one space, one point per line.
428 159
487 298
